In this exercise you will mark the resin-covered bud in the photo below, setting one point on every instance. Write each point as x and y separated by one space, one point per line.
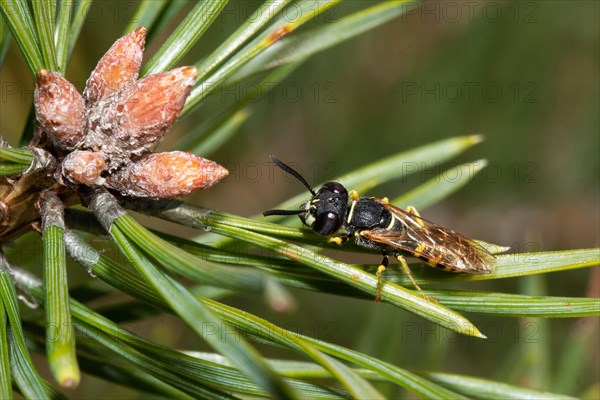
153 105
118 68
59 109
134 120
83 167
166 175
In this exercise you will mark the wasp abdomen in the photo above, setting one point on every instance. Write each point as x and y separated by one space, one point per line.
436 263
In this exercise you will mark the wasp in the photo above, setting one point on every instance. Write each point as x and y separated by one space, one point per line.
375 224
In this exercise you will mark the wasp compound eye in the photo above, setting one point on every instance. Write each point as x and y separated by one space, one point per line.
334 187
327 224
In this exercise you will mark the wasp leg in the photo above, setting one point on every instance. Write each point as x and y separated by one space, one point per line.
406 270
380 270
413 211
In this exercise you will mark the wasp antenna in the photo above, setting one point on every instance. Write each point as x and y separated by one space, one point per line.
282 212
292 172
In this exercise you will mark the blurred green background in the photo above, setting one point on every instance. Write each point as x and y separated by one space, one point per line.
523 74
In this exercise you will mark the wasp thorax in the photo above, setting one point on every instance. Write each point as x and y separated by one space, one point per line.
326 211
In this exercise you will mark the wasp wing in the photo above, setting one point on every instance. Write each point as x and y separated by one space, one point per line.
438 246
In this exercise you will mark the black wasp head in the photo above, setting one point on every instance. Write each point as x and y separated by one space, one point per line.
325 212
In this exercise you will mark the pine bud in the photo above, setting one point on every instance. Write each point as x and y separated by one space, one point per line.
83 167
166 175
60 109
118 68
134 120
154 103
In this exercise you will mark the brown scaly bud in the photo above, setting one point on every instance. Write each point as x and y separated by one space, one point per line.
118 68
133 121
156 102
166 175
83 167
60 109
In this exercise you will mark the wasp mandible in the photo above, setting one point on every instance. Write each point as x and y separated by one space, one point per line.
375 224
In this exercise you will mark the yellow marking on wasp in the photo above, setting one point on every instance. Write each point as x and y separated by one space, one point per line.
339 240
385 200
351 212
419 249
392 222
434 262
353 194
